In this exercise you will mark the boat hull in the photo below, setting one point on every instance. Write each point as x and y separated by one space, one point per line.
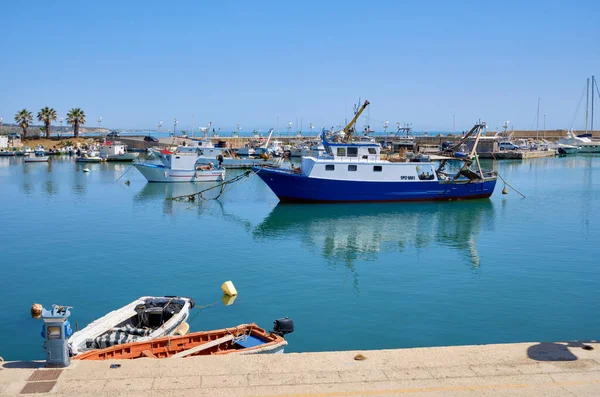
79 340
590 148
217 342
36 159
123 157
293 187
159 173
89 159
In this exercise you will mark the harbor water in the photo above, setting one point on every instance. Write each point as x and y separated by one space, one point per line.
352 276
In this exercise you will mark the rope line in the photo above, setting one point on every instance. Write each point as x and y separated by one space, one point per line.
508 184
198 195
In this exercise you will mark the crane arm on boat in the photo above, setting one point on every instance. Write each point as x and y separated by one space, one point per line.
348 130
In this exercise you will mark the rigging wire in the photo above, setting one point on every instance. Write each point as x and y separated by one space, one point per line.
578 105
131 166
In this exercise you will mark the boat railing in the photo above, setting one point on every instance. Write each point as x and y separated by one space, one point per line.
359 159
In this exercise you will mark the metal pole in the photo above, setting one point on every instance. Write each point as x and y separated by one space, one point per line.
587 103
544 125
592 119
193 132
537 121
453 122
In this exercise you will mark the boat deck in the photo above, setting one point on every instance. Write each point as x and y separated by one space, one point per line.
524 369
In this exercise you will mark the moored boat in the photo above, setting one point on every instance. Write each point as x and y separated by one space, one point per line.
354 172
243 339
35 158
6 152
180 167
144 319
116 151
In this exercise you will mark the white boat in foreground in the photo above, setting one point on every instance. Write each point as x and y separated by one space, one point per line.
144 319
36 159
180 167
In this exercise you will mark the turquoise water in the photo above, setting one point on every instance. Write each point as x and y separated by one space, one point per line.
360 276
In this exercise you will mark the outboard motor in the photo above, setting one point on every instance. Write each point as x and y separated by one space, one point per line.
283 326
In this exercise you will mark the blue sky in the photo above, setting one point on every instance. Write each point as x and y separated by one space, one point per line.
136 63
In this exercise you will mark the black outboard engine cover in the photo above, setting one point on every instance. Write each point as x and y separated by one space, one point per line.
283 326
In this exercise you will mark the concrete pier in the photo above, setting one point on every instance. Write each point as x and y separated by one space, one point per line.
518 155
524 369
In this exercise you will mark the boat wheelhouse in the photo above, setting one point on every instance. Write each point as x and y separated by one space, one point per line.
354 172
116 151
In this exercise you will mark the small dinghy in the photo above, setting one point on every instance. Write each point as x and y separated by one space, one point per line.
243 339
144 319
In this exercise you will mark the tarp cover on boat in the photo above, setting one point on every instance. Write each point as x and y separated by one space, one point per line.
120 335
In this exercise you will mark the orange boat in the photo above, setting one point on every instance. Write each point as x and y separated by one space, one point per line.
243 339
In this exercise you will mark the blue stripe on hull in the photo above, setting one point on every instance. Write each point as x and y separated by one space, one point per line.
289 187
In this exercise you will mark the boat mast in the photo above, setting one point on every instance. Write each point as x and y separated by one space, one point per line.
587 102
592 120
537 121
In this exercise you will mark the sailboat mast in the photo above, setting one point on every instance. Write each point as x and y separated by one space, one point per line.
537 121
587 102
592 120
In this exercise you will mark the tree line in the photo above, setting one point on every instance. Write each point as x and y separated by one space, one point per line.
46 115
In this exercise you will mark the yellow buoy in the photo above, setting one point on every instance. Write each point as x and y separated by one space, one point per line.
228 300
229 289
505 190
36 310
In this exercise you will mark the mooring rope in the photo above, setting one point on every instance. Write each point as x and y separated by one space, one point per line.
508 184
193 196
131 166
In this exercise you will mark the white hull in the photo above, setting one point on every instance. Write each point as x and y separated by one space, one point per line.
593 147
123 157
36 159
89 159
80 340
568 148
159 173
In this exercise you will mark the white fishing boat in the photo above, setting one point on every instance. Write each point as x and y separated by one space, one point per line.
6 152
91 155
24 151
144 319
179 167
246 150
39 150
29 158
208 154
116 151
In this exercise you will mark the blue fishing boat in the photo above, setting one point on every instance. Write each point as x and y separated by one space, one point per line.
355 172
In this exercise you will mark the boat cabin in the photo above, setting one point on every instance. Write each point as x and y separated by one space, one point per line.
112 149
353 151
179 161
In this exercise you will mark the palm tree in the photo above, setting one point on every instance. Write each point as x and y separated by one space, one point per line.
23 118
46 116
76 117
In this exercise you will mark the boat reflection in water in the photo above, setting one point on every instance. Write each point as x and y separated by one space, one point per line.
346 233
153 191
